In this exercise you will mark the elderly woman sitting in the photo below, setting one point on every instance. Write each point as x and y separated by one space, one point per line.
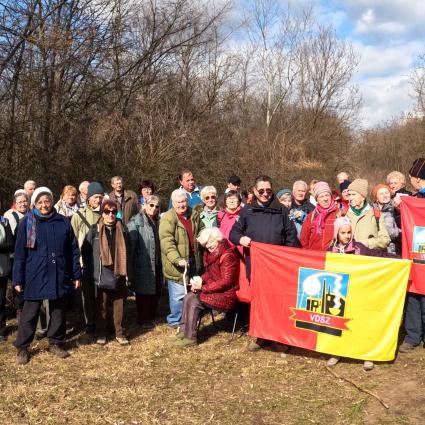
216 288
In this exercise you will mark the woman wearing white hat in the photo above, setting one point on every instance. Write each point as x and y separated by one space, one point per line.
46 267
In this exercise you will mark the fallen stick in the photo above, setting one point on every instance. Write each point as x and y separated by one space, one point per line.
358 387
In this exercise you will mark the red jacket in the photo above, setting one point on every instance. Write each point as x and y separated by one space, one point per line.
311 240
220 280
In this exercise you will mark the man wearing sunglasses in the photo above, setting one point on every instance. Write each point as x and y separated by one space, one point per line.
265 220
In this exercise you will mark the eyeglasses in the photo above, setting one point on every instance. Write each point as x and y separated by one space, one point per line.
110 212
267 191
207 198
154 206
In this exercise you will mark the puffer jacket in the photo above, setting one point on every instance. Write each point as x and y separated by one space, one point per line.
174 244
220 280
365 229
393 230
7 244
310 239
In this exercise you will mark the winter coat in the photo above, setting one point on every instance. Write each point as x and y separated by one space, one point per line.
208 218
220 280
310 239
306 206
226 220
129 206
393 230
90 253
358 248
144 254
175 243
46 271
7 244
365 229
268 224
14 217
80 228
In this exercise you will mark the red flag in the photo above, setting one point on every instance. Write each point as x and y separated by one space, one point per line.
413 240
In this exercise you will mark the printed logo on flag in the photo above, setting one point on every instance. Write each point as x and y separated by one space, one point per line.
418 245
321 301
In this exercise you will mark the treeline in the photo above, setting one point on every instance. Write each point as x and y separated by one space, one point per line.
94 88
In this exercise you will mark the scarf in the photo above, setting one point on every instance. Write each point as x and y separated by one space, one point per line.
358 211
32 225
320 215
120 263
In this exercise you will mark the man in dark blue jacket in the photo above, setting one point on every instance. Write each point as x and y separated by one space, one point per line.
265 220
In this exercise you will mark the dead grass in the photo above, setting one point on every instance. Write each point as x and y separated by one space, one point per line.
151 382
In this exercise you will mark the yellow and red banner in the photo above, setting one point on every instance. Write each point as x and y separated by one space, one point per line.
344 305
413 240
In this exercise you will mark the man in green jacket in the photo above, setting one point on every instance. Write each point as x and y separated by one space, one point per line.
178 230
81 222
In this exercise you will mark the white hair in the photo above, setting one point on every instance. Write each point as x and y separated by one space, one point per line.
82 184
152 198
177 194
299 183
206 234
30 182
116 178
208 189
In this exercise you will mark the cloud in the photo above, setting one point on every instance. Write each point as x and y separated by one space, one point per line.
386 18
385 98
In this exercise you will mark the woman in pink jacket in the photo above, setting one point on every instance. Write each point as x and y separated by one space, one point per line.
229 215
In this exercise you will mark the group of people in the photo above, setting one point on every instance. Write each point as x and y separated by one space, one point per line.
113 243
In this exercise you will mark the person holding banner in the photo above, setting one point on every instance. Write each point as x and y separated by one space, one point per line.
368 223
267 221
317 229
415 306
344 243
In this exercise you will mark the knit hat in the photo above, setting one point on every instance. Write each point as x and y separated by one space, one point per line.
95 188
43 190
338 223
418 168
283 192
321 187
19 192
234 179
344 185
377 187
360 186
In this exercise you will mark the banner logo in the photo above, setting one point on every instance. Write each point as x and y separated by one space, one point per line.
321 301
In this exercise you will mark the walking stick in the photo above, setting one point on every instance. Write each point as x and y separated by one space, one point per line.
184 279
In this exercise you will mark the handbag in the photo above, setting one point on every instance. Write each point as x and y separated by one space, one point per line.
107 279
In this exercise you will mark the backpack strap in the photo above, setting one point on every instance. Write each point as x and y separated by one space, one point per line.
83 219
16 217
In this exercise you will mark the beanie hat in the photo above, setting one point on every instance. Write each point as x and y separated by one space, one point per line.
344 185
418 168
95 188
234 179
283 192
360 186
377 187
321 187
338 223
43 190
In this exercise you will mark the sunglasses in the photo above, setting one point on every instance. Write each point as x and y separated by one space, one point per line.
110 212
207 198
154 206
267 191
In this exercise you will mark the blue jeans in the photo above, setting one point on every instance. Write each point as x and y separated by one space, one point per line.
175 297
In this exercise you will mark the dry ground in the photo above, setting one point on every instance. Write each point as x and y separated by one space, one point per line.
217 382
